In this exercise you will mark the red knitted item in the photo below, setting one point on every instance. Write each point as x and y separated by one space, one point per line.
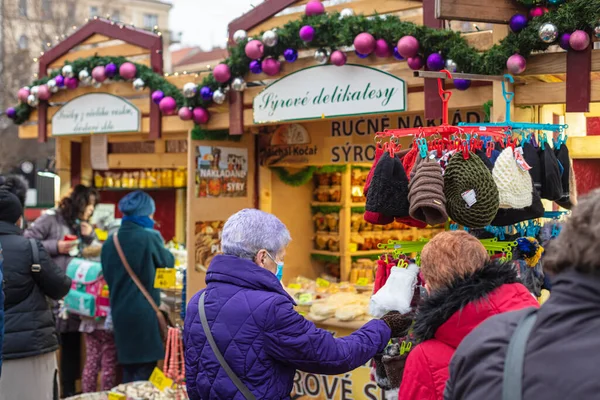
409 160
380 276
378 153
412 222
377 219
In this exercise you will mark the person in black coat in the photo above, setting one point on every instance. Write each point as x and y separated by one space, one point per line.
561 353
30 338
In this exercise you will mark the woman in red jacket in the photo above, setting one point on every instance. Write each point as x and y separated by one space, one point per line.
465 288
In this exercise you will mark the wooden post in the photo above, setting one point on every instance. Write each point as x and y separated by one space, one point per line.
236 113
579 84
433 102
75 163
498 112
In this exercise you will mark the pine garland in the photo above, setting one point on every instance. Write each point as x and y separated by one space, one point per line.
300 178
202 134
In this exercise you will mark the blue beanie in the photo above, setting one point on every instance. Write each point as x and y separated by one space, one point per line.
137 204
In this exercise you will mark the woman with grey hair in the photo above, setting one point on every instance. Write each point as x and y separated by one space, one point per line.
244 340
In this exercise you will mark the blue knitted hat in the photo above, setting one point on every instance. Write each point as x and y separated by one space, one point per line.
137 204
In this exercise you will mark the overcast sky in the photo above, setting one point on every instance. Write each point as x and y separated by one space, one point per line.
204 22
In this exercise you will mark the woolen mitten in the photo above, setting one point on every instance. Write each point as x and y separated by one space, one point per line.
410 160
551 180
514 184
410 221
381 378
426 194
531 156
388 193
399 323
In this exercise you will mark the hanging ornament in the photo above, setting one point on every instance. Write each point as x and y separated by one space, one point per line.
321 56
415 63
96 84
60 81
435 62
110 70
157 96
314 7
346 12
307 33
360 55
239 36
206 93
32 101
99 74
254 49
167 105
462 84
238 84
451 65
11 112
218 97
255 67
548 32
52 86
382 49
271 66
597 31
397 55
190 90
408 46
22 94
364 43
290 55
516 64
338 58
518 22
537 12
200 115
555 2
67 71
579 40
563 42
139 84
270 38
34 90
71 83
222 73
43 92
84 77
185 113
127 71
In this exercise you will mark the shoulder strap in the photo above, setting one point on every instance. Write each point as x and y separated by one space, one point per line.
512 385
133 276
35 252
213 345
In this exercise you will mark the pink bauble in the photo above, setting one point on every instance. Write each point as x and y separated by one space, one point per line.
222 73
271 66
98 74
579 40
364 43
382 49
43 92
185 113
314 7
537 12
127 71
201 115
167 105
71 83
255 49
307 33
338 58
516 64
22 95
408 46
415 63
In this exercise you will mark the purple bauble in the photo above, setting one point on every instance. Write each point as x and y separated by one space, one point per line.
157 96
206 93
185 113
563 42
397 55
415 63
167 105
60 80
408 46
518 22
43 92
99 74
222 73
23 94
11 112
382 49
314 7
462 84
361 55
271 66
255 49
200 115
307 33
435 62
290 55
127 71
255 67
364 43
516 64
71 83
110 70
338 58
579 40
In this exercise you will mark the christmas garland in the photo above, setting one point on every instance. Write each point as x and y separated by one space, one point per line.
221 135
304 176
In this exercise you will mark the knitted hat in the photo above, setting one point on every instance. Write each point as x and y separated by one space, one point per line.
471 194
378 153
426 194
137 204
514 184
511 216
481 154
414 168
10 207
551 180
410 221
531 156
572 200
377 218
388 193
562 156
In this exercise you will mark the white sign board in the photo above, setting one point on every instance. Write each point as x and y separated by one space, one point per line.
96 113
327 91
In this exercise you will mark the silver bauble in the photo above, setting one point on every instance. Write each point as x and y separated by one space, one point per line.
96 84
190 90
85 77
32 100
451 65
219 96
67 71
346 12
597 31
321 56
238 84
239 36
139 84
270 38
34 91
52 86
548 33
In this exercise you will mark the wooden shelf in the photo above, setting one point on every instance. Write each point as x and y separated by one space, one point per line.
325 204
162 189
358 204
326 253
367 252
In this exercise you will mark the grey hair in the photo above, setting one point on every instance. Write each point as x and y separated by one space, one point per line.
248 231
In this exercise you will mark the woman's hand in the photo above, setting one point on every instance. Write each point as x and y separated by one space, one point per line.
86 228
65 246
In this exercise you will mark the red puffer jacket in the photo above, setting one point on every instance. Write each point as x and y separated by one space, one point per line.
450 314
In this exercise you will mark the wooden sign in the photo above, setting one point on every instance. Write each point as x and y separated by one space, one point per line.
495 12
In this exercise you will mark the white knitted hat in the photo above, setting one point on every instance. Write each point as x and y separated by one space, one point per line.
515 186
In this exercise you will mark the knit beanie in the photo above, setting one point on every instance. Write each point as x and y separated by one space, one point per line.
481 154
388 193
511 216
471 194
551 180
514 184
495 155
10 207
426 194
562 156
572 200
410 221
137 204
378 153
531 156
414 168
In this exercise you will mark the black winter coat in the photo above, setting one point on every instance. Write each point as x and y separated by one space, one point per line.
29 326
561 360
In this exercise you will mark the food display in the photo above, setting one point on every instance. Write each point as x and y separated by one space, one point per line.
145 179
328 188
327 242
358 179
345 306
362 272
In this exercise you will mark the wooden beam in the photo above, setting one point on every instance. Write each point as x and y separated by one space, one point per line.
137 161
578 80
257 15
498 112
95 39
124 50
548 93
495 12
433 102
236 113
554 63
584 147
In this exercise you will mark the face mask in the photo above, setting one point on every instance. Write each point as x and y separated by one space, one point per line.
279 271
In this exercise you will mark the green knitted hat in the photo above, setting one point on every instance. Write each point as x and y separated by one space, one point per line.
471 195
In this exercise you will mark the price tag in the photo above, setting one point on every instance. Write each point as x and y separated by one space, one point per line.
305 298
322 283
362 282
353 247
159 380
165 278
116 396
294 286
469 197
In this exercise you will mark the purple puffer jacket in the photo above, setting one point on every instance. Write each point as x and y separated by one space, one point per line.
262 337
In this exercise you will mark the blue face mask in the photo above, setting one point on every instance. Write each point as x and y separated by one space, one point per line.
279 271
